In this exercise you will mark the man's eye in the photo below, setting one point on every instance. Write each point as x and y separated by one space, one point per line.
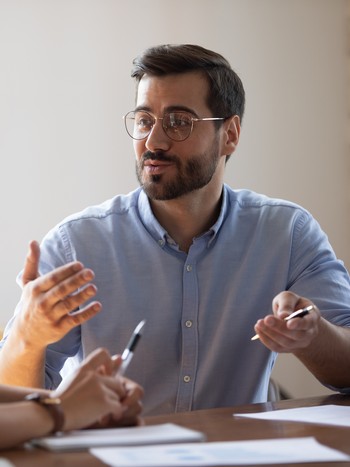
144 122
179 121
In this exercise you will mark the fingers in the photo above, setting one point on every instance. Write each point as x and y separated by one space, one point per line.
91 398
131 402
96 399
112 391
31 265
63 290
116 363
69 303
64 279
285 303
133 389
101 360
287 336
55 303
308 321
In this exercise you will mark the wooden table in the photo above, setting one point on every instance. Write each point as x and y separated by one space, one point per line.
218 425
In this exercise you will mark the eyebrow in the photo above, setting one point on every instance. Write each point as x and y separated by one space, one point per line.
172 108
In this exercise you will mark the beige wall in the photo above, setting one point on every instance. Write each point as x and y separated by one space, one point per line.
64 85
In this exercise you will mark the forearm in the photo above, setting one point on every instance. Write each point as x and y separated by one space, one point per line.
22 421
21 364
328 355
9 393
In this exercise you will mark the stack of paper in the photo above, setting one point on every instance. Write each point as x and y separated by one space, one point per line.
139 435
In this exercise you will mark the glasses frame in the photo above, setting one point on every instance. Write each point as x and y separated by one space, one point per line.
165 128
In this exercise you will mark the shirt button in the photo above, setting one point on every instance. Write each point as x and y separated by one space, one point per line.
187 379
188 323
161 242
189 268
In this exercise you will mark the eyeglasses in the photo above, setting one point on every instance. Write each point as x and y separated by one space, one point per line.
177 125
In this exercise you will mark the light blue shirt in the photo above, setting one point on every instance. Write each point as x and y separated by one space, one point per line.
201 307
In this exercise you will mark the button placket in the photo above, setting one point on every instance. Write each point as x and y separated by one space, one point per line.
189 333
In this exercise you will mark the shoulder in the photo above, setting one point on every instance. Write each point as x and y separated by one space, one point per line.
249 200
117 206
280 215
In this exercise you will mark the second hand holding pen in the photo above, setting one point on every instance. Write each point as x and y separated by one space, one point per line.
296 314
130 348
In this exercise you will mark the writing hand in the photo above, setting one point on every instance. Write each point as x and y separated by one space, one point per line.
117 398
91 394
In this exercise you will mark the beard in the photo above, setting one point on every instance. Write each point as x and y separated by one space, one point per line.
191 175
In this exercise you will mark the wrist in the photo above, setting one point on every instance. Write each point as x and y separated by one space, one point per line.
53 405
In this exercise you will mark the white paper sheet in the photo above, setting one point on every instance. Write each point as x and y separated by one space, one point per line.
6 463
271 451
152 434
322 414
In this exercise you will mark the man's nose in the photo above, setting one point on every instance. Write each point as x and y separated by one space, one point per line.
157 139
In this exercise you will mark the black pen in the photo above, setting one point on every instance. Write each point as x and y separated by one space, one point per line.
296 314
130 348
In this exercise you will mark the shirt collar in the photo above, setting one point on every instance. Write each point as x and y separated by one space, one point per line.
161 235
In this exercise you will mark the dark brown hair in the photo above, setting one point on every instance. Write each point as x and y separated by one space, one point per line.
226 95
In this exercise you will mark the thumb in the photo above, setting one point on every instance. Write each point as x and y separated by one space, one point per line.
31 265
285 303
117 361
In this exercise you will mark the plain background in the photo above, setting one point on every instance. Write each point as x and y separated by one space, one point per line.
65 84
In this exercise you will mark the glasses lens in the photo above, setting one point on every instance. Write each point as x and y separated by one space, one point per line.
138 124
178 125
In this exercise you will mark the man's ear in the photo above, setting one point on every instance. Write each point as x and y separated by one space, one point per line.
232 128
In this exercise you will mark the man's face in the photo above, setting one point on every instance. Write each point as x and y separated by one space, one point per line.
168 169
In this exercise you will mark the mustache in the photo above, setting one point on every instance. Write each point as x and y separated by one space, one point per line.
157 156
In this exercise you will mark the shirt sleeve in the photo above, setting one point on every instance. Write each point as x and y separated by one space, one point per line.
316 273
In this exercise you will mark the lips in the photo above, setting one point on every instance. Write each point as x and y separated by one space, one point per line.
156 163
155 166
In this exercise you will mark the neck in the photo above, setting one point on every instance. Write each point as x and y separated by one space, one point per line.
189 216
